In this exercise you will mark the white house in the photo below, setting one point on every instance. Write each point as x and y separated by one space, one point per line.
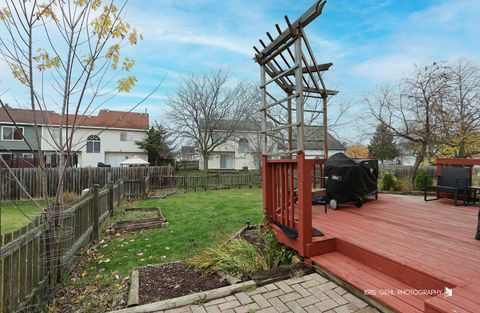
107 138
242 150
239 152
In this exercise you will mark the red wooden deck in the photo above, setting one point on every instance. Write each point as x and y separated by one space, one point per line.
402 250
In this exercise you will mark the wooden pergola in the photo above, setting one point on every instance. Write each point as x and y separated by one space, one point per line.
290 75
288 63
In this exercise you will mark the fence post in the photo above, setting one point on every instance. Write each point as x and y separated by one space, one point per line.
95 212
110 198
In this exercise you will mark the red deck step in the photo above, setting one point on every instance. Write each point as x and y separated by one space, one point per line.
462 300
365 278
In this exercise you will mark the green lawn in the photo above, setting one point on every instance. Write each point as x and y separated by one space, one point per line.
12 217
196 220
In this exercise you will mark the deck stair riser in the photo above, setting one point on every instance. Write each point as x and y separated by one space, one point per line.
380 278
410 276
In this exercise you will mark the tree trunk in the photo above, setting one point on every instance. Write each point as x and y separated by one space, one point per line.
205 162
418 160
461 149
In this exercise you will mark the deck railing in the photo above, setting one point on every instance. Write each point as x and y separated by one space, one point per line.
287 196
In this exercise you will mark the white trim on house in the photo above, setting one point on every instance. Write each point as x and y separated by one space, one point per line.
13 133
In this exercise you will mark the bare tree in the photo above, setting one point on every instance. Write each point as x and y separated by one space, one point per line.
66 55
414 110
207 109
461 122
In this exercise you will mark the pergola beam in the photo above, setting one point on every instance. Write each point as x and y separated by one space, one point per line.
313 69
329 92
314 11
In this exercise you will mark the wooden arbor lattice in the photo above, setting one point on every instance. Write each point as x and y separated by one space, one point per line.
290 75
299 77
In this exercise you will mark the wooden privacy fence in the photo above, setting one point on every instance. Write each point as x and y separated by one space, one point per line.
25 262
206 182
76 179
137 188
404 171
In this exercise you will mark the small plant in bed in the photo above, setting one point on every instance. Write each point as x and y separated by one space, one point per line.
251 252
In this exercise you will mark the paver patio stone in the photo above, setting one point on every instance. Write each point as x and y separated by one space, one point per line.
261 301
278 305
228 305
309 294
274 293
295 307
326 305
243 298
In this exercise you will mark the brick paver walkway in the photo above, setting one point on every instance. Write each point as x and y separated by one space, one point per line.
311 293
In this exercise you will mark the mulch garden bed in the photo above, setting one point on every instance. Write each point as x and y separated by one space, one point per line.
172 280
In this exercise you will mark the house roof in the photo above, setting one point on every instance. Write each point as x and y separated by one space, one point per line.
24 116
314 139
105 118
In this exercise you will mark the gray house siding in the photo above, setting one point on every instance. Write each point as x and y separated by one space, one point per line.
19 146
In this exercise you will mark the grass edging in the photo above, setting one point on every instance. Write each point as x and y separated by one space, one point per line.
189 299
134 291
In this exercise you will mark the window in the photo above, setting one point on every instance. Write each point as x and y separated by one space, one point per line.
12 133
243 145
93 144
55 133
27 155
216 137
7 156
54 159
227 161
124 136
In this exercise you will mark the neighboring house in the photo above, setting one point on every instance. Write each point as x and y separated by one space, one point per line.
188 153
107 138
242 150
18 143
314 143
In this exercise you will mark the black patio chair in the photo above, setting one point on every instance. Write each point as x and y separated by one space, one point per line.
452 180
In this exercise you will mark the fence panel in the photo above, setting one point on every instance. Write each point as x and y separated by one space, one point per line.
23 263
206 182
404 171
15 183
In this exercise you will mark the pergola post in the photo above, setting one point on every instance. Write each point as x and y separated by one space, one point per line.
299 93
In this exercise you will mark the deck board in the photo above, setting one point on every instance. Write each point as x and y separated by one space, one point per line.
435 239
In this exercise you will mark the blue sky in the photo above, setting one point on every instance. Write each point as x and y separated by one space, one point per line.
370 42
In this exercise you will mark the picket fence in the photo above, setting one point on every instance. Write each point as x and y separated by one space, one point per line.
25 262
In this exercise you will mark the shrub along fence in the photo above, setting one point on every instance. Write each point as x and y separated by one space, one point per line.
404 171
76 179
26 266
206 182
